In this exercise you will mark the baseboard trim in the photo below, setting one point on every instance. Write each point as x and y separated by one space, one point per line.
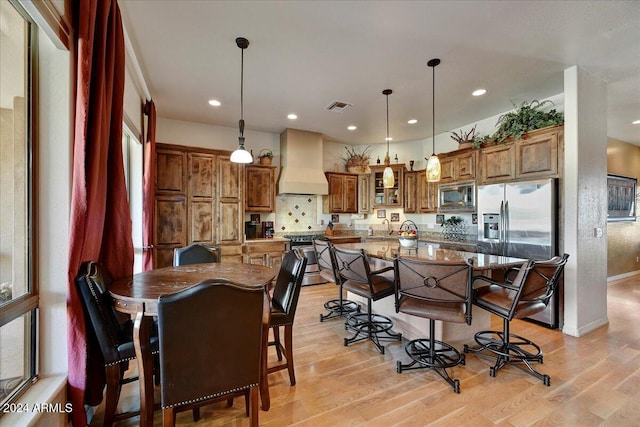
622 276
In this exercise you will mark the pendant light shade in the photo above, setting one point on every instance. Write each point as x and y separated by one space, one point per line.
433 164
241 155
388 181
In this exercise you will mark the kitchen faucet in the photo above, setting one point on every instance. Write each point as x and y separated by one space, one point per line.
389 229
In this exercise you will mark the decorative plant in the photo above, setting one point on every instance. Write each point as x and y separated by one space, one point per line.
526 117
464 137
355 158
265 153
478 141
453 220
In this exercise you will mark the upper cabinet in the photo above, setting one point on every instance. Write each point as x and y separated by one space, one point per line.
388 197
343 193
411 192
427 193
537 155
259 194
458 166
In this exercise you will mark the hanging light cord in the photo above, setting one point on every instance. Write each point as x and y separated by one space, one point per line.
387 126
242 92
433 112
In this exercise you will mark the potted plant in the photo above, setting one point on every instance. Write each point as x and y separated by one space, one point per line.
265 156
465 139
357 162
526 117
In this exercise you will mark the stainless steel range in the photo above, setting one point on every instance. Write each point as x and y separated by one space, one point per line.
305 243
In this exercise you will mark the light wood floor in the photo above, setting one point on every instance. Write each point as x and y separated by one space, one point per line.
595 379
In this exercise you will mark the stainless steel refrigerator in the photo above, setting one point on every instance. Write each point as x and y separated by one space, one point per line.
520 220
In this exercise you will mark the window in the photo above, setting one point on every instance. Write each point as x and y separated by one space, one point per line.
132 153
18 292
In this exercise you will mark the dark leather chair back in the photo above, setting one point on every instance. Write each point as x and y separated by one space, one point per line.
93 282
538 288
210 341
324 259
287 289
196 254
354 271
436 290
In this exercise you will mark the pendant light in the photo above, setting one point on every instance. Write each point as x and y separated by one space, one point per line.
433 164
241 155
388 180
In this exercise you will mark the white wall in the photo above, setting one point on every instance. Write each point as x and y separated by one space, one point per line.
54 156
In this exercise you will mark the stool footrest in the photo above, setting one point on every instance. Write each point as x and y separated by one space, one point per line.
434 355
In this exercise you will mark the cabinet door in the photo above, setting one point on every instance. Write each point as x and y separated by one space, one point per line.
201 200
230 216
465 167
410 192
274 260
170 171
260 189
170 228
258 259
537 157
364 193
350 189
388 197
447 169
427 193
497 163
336 193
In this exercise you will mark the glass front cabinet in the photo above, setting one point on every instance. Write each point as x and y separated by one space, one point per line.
388 197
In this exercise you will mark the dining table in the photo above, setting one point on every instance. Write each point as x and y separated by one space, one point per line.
137 296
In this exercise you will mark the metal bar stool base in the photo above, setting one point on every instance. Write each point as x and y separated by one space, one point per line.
515 350
434 355
368 326
339 308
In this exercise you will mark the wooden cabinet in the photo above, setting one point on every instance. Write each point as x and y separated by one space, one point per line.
411 192
264 252
259 193
427 193
536 155
364 193
388 197
198 199
458 166
343 193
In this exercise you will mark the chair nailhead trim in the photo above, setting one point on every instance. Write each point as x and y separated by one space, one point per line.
211 396
117 362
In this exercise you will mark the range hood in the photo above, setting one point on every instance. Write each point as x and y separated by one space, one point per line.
301 160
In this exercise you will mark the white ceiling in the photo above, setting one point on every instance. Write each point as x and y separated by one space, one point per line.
305 54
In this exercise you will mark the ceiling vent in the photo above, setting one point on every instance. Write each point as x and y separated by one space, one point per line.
338 106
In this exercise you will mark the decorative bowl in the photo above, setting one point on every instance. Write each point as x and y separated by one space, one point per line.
408 241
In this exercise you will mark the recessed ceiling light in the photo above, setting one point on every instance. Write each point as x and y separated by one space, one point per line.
388 138
412 121
479 92
214 102
637 122
352 127
292 116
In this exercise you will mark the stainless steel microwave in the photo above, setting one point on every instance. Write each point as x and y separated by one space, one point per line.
460 196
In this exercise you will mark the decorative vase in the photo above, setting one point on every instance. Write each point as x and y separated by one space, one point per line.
265 161
361 169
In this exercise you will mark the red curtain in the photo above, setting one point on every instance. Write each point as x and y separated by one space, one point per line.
149 188
100 222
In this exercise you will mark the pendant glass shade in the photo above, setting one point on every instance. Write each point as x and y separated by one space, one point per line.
433 169
241 155
388 181
433 164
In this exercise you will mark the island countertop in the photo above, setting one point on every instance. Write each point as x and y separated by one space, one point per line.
386 250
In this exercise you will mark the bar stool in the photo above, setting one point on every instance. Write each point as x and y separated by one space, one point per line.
336 307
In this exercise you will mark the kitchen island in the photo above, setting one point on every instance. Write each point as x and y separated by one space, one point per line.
382 253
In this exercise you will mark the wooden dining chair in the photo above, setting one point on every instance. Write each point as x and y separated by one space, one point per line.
114 337
211 346
283 309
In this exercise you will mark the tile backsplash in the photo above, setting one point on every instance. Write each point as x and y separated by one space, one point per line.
296 213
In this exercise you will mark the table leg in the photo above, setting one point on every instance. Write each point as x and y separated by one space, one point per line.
264 380
142 344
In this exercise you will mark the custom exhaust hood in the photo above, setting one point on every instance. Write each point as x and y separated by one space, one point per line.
301 160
